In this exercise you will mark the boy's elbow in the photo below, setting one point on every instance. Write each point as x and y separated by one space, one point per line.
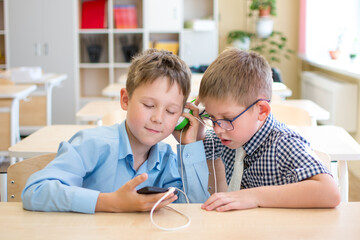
334 199
332 196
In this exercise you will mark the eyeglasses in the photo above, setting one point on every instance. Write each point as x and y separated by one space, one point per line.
228 124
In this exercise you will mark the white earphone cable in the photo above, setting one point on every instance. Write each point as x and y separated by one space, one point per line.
213 154
171 190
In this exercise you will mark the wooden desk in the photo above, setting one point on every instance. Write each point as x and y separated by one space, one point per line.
260 223
40 102
281 90
45 140
94 111
113 90
312 108
10 96
339 144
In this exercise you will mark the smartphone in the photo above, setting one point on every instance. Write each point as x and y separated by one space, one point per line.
153 190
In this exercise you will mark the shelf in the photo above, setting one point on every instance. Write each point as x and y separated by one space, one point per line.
121 65
158 22
94 31
94 65
129 30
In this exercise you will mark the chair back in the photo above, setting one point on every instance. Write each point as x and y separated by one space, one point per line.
291 115
325 159
18 174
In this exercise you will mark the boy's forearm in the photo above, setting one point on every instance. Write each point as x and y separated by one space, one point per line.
318 191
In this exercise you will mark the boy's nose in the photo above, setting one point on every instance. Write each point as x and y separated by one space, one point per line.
157 116
217 128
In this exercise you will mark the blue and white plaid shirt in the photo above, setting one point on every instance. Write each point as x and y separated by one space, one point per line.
275 155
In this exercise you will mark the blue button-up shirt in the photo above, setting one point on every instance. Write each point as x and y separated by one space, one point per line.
101 160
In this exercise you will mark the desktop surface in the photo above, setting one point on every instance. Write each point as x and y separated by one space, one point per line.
260 223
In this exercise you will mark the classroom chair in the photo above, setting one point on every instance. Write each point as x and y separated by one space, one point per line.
325 159
334 168
18 173
291 115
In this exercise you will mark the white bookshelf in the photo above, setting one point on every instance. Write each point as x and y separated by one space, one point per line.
157 20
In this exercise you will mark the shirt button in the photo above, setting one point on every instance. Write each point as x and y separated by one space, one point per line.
187 155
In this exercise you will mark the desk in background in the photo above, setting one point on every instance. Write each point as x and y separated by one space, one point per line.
10 96
94 111
259 223
113 90
45 140
339 144
37 112
312 108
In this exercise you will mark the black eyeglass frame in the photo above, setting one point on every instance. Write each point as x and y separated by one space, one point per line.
218 121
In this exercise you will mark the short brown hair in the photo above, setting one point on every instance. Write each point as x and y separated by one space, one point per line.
238 75
151 64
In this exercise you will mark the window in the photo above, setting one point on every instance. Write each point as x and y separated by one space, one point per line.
332 24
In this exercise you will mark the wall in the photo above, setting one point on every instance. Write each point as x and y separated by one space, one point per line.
233 16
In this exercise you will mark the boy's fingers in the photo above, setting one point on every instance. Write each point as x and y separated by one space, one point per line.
197 101
133 183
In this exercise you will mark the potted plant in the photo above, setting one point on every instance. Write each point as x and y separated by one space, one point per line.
265 7
335 54
273 48
264 24
239 39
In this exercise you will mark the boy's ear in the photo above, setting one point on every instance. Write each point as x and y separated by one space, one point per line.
124 99
264 110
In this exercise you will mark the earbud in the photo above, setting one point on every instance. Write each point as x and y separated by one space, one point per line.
182 122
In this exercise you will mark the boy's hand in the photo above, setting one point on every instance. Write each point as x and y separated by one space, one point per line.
191 132
225 201
126 199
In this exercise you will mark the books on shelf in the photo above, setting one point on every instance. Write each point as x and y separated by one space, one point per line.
171 46
125 16
93 14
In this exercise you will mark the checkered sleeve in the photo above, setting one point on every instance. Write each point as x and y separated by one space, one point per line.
296 160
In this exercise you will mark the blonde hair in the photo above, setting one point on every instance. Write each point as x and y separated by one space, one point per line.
151 64
237 75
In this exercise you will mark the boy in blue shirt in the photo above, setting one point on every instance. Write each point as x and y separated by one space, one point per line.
100 169
266 163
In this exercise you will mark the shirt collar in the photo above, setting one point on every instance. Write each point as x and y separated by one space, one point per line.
125 150
260 136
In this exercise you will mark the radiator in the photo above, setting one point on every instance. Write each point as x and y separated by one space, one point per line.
336 96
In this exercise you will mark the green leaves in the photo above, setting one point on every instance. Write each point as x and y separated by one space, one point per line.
273 48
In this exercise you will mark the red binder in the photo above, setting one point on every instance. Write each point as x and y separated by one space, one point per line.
125 16
93 14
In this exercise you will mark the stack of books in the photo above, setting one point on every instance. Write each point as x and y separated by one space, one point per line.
93 14
125 16
171 46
